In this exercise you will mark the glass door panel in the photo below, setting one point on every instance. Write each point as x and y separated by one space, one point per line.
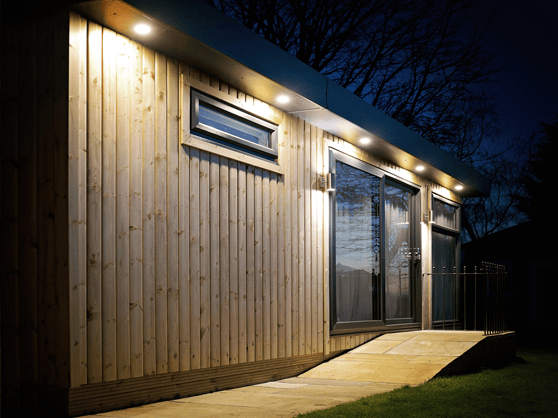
443 286
373 260
398 252
357 244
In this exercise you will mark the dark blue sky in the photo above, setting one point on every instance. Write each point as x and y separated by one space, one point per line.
523 36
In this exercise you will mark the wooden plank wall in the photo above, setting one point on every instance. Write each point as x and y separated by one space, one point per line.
35 289
126 254
184 258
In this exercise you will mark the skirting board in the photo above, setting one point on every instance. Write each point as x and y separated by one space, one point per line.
106 396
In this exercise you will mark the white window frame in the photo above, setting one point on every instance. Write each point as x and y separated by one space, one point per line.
239 115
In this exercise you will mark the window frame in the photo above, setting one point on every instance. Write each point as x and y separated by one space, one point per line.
443 228
350 327
240 144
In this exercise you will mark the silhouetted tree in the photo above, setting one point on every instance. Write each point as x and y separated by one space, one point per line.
535 200
419 63
413 60
486 215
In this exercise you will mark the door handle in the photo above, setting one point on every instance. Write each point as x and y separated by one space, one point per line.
412 253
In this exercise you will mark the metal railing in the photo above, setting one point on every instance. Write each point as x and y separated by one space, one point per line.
476 299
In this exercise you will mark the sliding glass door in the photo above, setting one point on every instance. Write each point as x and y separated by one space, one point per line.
402 254
373 250
357 244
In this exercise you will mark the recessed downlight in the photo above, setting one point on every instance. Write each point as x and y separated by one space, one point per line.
365 141
142 29
420 168
283 99
459 187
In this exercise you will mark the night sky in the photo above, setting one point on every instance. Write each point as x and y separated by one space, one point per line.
523 36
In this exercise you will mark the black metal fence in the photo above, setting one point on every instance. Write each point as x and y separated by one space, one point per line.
475 299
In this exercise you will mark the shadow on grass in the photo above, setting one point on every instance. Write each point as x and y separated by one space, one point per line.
525 385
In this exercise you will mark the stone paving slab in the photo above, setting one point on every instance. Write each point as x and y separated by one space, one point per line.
432 348
403 373
380 365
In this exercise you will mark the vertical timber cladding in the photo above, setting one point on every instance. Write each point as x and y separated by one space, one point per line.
183 256
34 223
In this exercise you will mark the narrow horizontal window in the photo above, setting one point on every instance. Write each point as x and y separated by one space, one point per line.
233 126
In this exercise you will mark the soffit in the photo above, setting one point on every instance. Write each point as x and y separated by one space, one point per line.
197 34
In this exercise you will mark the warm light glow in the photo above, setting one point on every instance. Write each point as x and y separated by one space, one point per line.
282 99
330 182
365 141
420 167
142 29
459 187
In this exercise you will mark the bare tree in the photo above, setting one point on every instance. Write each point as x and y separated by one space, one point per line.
486 215
540 174
413 60
419 62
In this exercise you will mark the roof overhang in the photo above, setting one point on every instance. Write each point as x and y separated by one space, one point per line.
195 33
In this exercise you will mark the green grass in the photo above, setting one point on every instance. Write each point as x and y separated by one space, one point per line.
526 387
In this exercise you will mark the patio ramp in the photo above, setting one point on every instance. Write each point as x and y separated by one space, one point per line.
412 358
381 365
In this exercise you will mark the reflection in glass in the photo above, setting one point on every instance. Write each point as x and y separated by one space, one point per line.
357 244
398 239
233 126
444 214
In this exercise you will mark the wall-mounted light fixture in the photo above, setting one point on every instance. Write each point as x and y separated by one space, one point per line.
428 217
330 182
327 182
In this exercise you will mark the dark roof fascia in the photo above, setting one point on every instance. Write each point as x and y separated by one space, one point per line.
227 50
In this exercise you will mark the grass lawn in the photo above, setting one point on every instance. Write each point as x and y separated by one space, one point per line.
527 387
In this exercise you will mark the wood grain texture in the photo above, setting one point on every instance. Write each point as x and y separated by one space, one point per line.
173 197
148 213
302 314
76 197
205 261
94 205
109 206
187 254
250 266
194 259
294 235
135 224
233 263
61 219
122 208
258 263
266 267
215 262
242 271
161 231
184 227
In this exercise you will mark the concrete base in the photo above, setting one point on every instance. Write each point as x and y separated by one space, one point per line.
381 365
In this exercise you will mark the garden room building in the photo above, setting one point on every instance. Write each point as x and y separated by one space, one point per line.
193 209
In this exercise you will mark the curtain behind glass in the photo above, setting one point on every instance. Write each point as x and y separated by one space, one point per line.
444 214
398 241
